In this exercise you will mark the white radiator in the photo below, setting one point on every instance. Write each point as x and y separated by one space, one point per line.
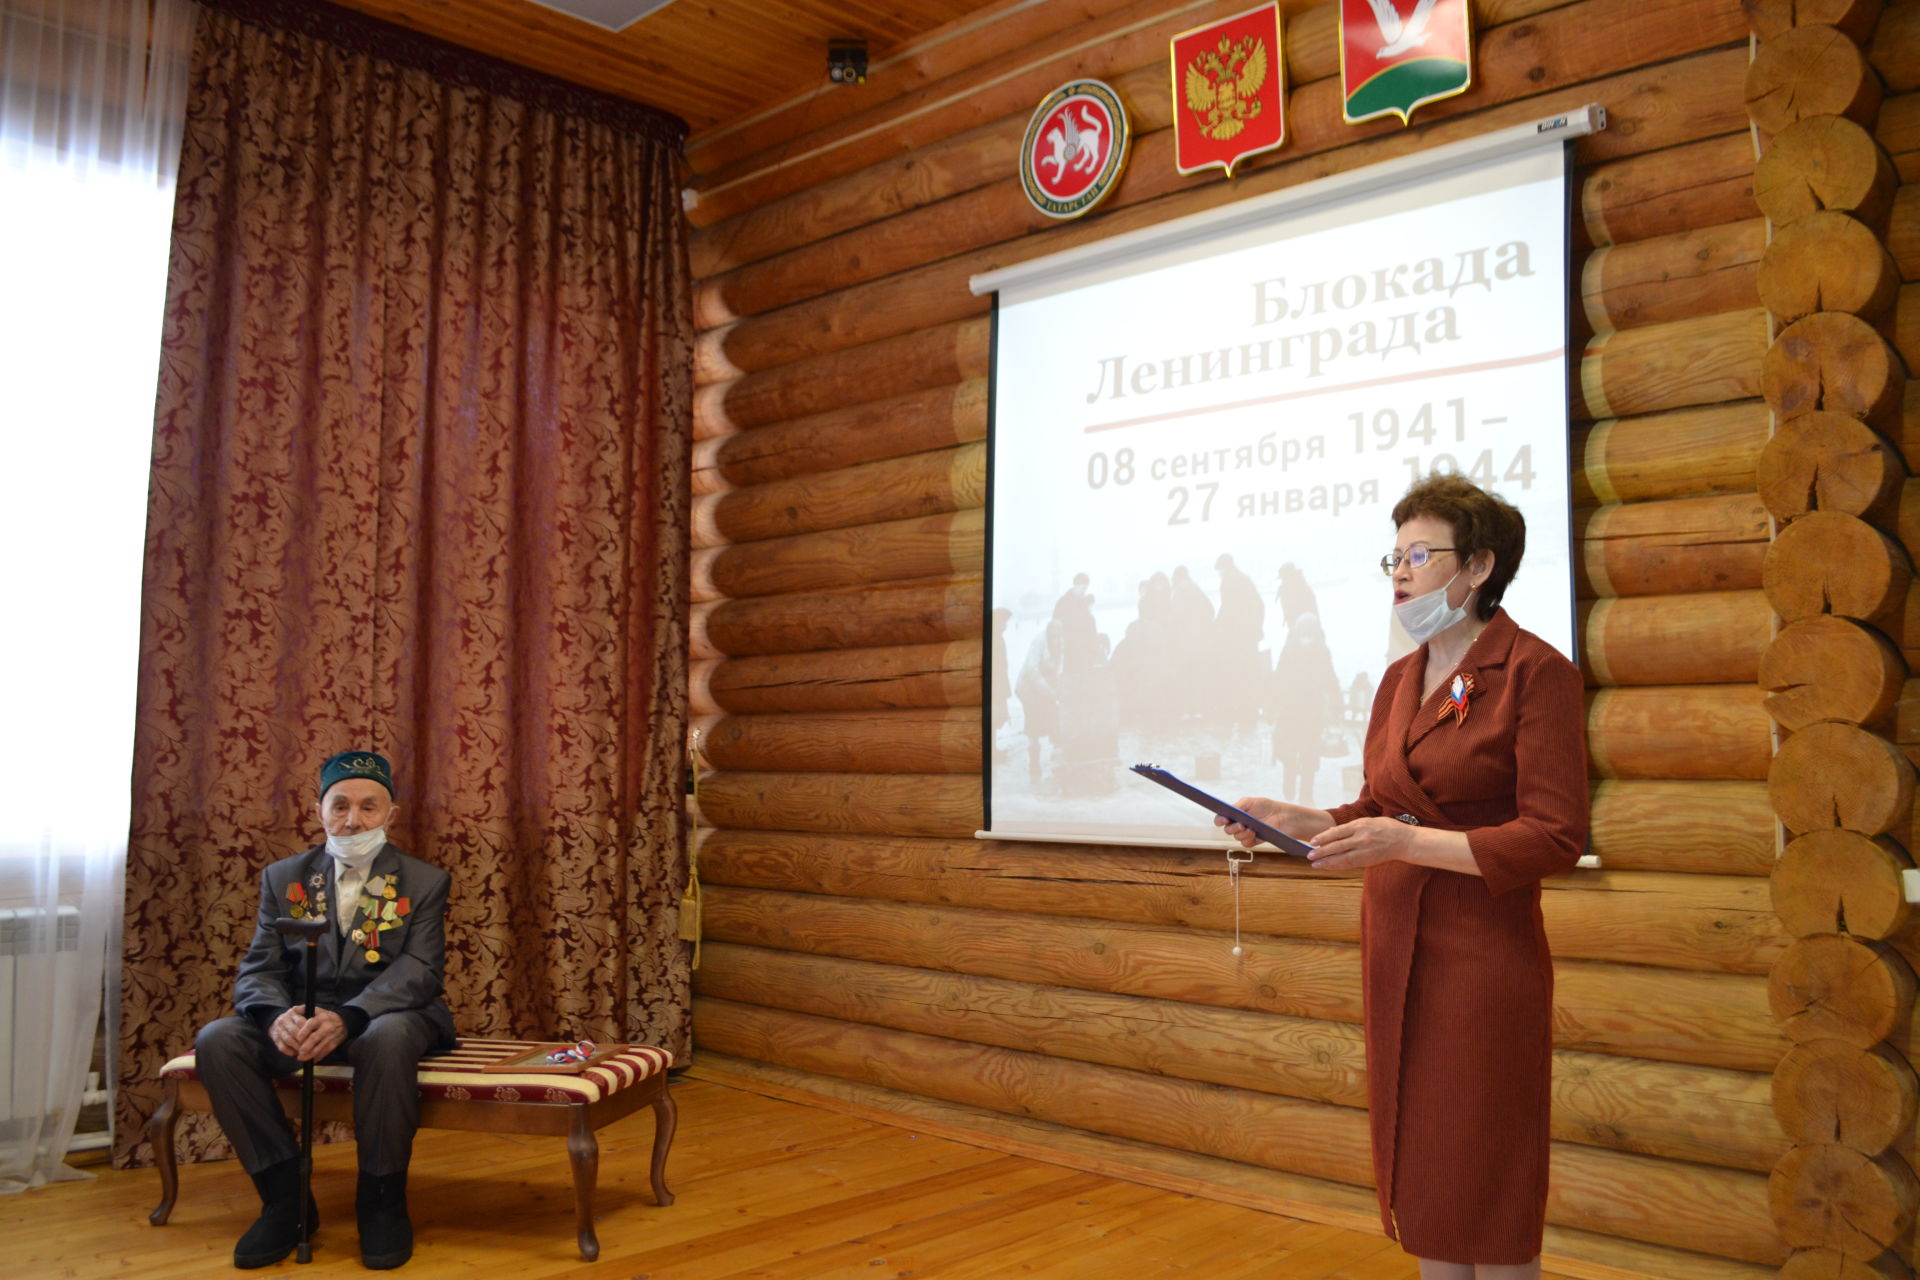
39 959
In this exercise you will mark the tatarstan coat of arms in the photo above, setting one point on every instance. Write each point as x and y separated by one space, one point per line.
1228 91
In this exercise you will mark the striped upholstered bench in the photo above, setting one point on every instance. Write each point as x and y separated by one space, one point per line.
457 1093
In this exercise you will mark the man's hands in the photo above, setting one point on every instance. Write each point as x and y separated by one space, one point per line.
308 1039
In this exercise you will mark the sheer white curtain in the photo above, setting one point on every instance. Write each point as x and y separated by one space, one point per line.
92 94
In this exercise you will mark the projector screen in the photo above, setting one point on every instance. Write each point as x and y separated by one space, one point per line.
1198 434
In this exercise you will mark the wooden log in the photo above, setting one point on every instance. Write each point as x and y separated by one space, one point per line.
1630 732
1610 1191
1712 637
1828 668
1535 62
1906 331
895 489
986 36
1667 548
994 94
1650 108
1770 18
844 742
1830 1197
1680 188
1903 231
1837 775
1825 1264
868 432
913 612
1828 563
1719 1020
1837 881
1703 1114
1861 1099
1894 48
899 550
1827 461
1704 183
1827 261
1706 360
1821 163
1705 271
1679 454
1697 272
1136 1104
1719 828
906 804
1810 71
1717 923
1830 360
1835 987
920 361
918 298
897 676
1898 131
1568 1251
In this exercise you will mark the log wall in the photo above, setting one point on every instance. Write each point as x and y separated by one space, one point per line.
1833 476
860 943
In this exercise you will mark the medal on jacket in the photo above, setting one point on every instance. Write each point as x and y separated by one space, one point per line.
302 905
1457 694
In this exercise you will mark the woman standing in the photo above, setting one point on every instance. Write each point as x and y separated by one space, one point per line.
1476 789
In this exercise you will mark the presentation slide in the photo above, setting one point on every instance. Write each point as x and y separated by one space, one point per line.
1195 452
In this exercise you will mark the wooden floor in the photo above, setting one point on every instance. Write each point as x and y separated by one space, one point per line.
764 1187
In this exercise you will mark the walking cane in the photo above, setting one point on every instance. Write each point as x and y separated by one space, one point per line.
311 931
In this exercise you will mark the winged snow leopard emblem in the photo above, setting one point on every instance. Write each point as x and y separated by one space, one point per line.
1075 148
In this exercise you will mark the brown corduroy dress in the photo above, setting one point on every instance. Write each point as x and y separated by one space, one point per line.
1457 977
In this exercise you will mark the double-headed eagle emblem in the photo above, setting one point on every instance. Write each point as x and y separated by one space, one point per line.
1222 84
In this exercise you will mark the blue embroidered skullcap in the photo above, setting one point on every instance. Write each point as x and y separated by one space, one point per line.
356 764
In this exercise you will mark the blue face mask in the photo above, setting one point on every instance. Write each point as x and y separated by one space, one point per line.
1427 616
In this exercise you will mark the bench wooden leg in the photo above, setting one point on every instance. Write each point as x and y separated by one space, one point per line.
160 1127
583 1153
666 1118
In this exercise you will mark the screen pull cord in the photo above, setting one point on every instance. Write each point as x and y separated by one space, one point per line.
1237 858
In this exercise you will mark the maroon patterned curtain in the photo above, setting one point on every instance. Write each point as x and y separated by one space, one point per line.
420 484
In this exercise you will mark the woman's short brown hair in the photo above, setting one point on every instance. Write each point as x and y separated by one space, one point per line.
1481 521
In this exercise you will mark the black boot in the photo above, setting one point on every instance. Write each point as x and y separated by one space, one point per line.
276 1232
386 1235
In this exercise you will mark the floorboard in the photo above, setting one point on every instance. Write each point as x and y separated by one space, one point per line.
766 1189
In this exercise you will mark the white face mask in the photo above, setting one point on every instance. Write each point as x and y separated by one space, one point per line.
356 849
1427 616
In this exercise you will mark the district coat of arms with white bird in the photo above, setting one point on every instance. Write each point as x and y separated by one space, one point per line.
1396 55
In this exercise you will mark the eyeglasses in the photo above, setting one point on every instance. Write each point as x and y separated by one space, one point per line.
1415 556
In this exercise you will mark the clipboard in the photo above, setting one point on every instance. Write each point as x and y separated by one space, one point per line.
1267 832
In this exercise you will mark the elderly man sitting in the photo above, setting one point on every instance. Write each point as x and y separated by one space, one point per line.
377 1005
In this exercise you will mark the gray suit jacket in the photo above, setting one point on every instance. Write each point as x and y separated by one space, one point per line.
409 972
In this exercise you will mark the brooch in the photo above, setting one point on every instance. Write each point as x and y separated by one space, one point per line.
381 908
302 905
1457 694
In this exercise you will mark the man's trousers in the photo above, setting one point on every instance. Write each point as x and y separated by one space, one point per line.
238 1064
